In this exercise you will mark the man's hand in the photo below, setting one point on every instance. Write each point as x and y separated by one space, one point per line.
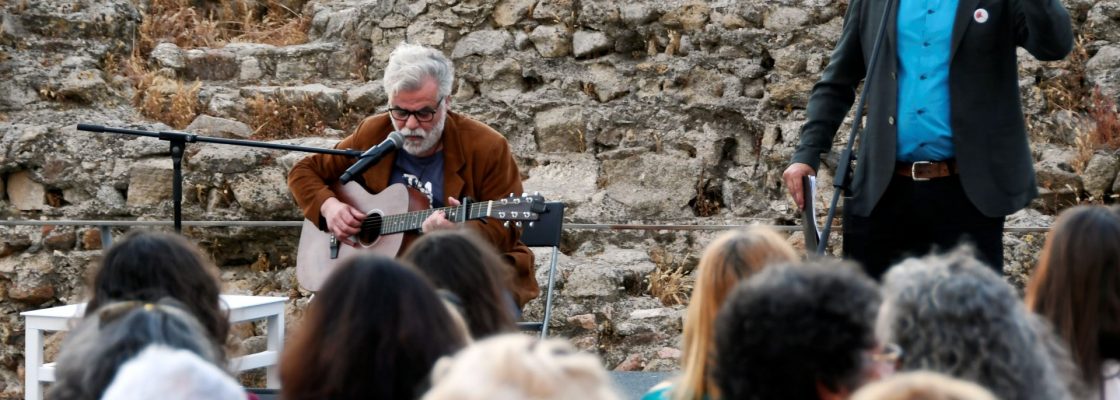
342 220
438 221
792 176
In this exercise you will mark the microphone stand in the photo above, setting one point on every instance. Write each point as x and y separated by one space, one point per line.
844 164
179 142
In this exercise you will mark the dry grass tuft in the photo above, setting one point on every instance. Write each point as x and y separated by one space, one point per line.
1068 92
1104 113
214 24
273 119
668 281
166 100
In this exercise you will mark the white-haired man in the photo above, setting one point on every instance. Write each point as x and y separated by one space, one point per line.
445 155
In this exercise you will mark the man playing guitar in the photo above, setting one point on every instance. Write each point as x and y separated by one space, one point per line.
445 155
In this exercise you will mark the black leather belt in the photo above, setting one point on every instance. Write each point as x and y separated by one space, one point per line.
926 170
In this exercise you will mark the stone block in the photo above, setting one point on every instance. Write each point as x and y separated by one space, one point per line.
1101 173
1103 70
264 193
589 43
24 193
552 41
149 182
510 12
211 65
168 55
560 130
569 178
367 97
786 19
482 43
219 127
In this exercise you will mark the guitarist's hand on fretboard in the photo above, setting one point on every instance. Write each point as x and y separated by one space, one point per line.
343 220
438 220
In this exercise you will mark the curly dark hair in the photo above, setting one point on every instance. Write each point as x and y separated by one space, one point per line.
952 314
792 327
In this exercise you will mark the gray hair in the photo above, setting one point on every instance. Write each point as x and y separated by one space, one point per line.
952 314
115 333
410 65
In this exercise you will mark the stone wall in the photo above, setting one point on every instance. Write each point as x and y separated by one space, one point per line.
647 111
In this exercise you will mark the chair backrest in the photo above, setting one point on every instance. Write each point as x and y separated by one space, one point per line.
545 232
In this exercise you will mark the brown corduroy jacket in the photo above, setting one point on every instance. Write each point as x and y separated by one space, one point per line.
477 163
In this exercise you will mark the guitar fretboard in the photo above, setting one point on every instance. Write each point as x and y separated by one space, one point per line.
411 221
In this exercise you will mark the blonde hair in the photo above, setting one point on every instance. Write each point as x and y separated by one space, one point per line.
731 258
515 366
923 385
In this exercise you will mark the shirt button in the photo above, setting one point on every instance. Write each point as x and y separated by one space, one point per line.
890 120
926 44
923 77
921 111
929 12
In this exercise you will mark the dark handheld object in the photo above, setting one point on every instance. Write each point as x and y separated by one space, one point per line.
844 164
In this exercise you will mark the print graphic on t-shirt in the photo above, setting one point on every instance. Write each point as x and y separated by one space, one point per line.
422 186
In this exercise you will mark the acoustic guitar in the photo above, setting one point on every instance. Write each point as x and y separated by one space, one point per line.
390 215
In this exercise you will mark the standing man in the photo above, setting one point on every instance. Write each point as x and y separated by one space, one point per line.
944 156
445 155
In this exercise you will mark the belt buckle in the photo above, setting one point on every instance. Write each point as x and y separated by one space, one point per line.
914 170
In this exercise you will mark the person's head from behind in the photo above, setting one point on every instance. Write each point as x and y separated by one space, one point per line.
954 315
732 257
418 82
161 372
1076 285
515 367
799 331
922 385
111 335
459 262
148 266
374 330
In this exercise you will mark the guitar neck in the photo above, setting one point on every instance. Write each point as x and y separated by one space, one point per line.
413 220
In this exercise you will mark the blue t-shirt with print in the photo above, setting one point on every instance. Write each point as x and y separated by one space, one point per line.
422 173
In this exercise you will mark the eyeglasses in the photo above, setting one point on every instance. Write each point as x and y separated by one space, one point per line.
890 353
422 115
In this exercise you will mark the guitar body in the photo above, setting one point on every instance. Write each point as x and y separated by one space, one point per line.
313 258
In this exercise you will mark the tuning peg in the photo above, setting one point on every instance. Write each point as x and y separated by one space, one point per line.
524 194
531 224
518 224
511 195
536 193
505 224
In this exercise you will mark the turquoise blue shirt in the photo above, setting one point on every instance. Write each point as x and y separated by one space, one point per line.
925 31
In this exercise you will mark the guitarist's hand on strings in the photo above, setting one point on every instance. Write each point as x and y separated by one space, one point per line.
343 220
438 220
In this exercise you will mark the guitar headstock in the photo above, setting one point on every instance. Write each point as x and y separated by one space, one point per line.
524 208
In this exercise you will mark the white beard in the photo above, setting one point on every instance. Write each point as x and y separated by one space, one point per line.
431 137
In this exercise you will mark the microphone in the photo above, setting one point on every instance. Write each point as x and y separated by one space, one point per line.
372 156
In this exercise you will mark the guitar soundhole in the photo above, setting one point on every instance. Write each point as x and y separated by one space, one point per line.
371 229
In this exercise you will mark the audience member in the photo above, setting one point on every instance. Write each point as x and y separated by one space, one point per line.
954 315
518 367
732 257
161 372
922 385
1076 286
800 332
148 266
115 333
459 262
374 330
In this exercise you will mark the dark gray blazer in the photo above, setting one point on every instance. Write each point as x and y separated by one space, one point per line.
989 133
